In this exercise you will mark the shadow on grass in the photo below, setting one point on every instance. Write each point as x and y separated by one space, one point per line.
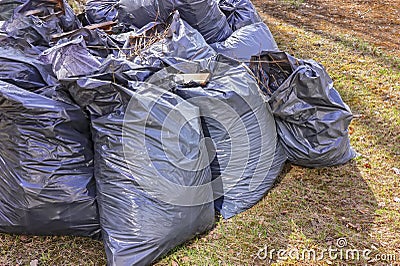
312 210
308 209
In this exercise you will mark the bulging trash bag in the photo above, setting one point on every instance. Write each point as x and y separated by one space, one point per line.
239 13
247 42
144 166
46 166
206 17
312 119
243 151
181 41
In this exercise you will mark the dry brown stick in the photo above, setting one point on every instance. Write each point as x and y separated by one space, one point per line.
33 12
89 27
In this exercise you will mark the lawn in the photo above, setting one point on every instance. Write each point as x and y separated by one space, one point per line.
308 209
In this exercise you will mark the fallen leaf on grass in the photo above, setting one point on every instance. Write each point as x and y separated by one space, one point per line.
351 130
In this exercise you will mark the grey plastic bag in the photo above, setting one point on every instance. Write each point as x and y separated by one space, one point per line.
141 12
46 166
98 11
312 119
239 13
71 59
245 157
46 156
139 175
181 41
206 17
247 42
21 65
38 29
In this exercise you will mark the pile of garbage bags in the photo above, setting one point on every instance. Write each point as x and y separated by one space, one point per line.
136 121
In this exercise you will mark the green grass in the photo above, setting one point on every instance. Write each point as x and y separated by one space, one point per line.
294 3
308 208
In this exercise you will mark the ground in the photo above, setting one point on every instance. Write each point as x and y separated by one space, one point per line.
358 43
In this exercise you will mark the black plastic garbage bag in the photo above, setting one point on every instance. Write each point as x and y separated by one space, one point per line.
7 8
46 166
99 43
140 175
239 13
312 119
39 29
206 17
71 59
59 11
141 12
20 65
32 29
181 41
247 42
98 11
241 126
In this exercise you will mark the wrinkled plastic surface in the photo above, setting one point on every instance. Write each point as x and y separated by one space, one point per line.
204 16
21 67
137 226
101 11
182 41
46 166
38 31
32 29
239 13
247 42
71 59
141 12
67 20
312 119
122 71
7 8
97 42
235 116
